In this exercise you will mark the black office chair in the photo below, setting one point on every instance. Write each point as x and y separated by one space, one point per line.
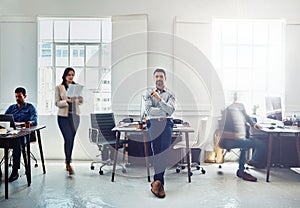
102 135
224 150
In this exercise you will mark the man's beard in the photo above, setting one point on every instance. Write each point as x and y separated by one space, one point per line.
159 83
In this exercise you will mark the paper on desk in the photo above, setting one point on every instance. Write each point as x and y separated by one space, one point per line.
74 90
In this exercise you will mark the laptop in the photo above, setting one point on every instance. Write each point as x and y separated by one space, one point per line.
10 118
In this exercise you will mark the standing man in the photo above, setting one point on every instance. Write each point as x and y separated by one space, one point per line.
159 105
23 112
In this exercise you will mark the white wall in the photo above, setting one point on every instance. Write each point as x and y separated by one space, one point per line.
19 17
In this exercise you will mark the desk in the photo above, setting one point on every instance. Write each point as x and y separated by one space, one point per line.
288 130
144 132
37 129
25 142
7 139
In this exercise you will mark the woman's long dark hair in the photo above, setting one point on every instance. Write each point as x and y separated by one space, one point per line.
66 72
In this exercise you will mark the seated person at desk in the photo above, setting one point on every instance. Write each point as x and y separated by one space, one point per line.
22 112
235 120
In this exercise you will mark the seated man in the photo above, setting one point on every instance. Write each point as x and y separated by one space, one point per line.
235 120
22 112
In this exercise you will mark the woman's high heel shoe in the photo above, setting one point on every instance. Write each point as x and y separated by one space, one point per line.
70 169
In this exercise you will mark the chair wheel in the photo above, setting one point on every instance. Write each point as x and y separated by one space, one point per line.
191 173
197 167
36 165
177 170
101 172
203 171
182 167
92 167
123 170
220 166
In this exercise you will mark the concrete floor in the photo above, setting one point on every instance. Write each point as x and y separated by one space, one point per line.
88 189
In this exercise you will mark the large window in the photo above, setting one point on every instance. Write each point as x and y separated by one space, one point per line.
85 45
249 57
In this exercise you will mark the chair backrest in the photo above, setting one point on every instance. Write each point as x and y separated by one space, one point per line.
103 123
200 140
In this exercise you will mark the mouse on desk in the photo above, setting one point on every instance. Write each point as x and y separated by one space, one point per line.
271 127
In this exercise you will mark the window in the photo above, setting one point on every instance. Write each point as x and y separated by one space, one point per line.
249 57
66 42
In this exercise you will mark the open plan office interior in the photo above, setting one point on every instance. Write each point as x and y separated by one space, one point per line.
210 51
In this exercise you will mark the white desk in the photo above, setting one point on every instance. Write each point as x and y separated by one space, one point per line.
297 170
288 130
130 128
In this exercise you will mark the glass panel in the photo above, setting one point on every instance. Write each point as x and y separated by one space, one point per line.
245 98
62 53
85 31
92 78
79 76
61 30
105 82
245 33
106 55
45 90
260 33
45 54
229 80
77 55
259 57
229 32
275 33
275 60
106 31
58 74
244 56
229 56
46 30
259 80
244 80
92 55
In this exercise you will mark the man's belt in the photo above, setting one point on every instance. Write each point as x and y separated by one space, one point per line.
160 119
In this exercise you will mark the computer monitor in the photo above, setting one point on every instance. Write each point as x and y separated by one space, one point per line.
273 108
10 118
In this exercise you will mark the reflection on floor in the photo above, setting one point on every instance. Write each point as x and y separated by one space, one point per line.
89 189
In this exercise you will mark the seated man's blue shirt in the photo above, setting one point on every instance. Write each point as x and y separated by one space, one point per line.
27 113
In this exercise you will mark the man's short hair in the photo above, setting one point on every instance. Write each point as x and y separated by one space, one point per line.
20 90
160 70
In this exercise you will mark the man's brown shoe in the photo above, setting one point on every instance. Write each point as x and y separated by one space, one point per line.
157 189
162 193
245 176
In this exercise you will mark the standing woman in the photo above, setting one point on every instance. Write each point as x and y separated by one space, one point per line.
68 114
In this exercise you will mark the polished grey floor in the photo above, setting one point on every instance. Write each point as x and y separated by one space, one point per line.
89 189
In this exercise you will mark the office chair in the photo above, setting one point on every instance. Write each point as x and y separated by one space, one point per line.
221 152
102 135
196 145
